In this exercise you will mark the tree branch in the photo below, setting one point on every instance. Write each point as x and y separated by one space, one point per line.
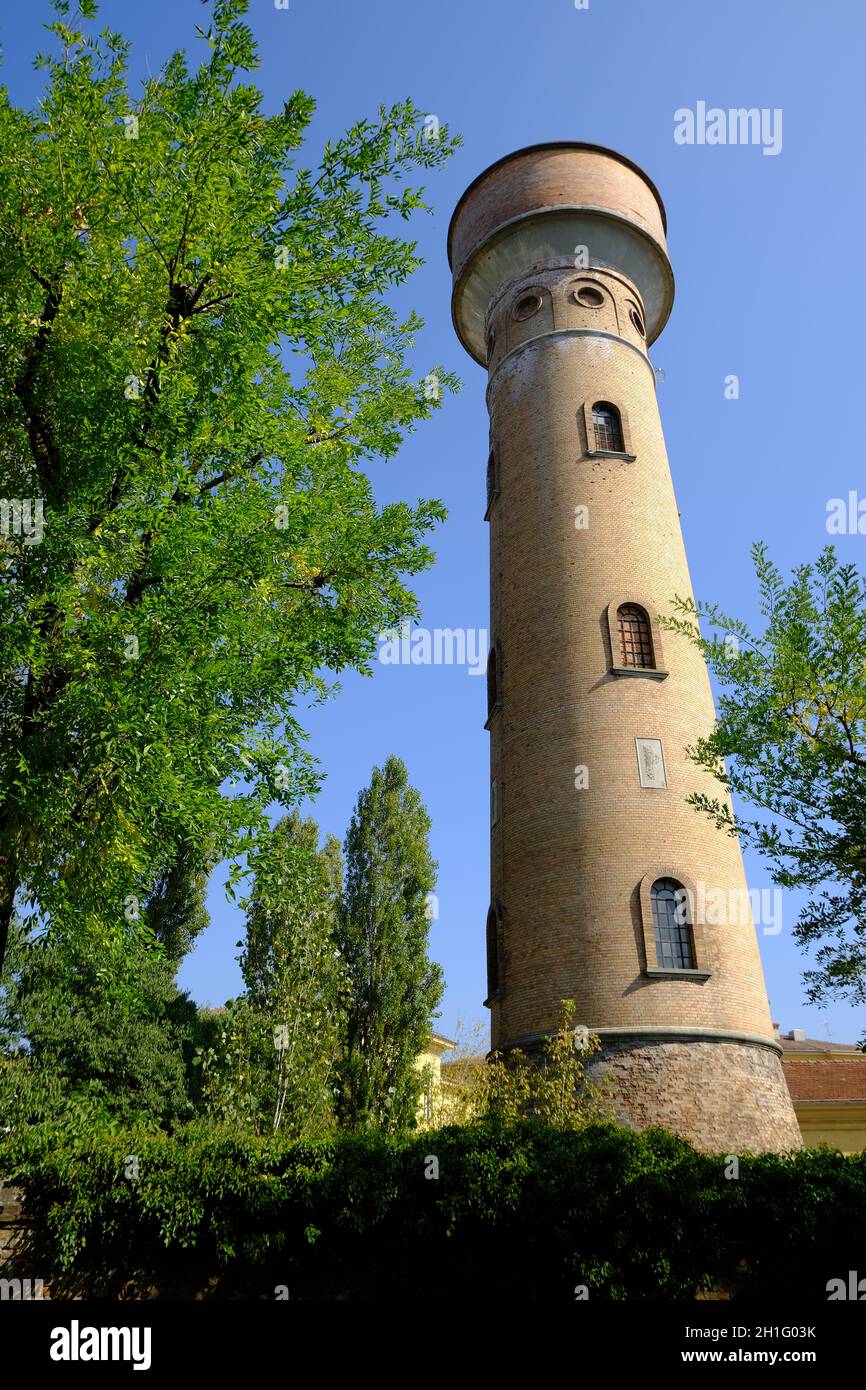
40 435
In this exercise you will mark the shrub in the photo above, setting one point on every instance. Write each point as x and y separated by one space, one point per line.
550 1086
523 1210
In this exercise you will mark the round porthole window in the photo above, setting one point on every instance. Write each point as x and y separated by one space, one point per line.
589 296
637 321
526 306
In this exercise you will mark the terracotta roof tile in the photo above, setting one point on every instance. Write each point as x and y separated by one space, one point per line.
839 1078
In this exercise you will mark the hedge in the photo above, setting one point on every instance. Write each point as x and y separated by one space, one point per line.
522 1212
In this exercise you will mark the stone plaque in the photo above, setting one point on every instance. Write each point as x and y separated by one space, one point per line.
651 762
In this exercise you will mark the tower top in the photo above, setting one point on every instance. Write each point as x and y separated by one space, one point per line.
536 207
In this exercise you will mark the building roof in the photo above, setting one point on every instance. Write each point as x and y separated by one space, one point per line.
790 1045
830 1078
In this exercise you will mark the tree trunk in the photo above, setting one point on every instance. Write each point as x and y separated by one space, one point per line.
8 889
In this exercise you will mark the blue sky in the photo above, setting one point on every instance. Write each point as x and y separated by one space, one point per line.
768 288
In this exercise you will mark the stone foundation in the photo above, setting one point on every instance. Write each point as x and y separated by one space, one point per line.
723 1095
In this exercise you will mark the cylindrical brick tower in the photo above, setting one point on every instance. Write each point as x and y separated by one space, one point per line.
606 886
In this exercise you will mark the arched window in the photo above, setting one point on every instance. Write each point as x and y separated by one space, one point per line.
494 980
607 425
493 694
492 481
635 637
672 925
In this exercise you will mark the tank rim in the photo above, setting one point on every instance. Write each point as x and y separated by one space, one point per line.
553 145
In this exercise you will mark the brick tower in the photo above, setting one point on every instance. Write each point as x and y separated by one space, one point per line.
599 869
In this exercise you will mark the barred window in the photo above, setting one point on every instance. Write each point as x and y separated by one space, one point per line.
635 637
673 932
607 425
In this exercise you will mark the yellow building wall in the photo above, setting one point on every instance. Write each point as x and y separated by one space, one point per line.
429 1063
841 1126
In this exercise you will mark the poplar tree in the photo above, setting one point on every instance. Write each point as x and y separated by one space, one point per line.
393 987
176 911
294 977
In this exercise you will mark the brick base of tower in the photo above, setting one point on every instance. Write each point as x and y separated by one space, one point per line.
723 1096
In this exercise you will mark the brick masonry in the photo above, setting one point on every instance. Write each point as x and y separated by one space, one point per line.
730 1094
567 864
15 1256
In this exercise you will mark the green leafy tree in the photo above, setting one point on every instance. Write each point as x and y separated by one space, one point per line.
175 910
105 1037
790 740
274 1061
198 358
232 1061
394 989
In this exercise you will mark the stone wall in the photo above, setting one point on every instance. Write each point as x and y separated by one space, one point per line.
15 1258
723 1096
